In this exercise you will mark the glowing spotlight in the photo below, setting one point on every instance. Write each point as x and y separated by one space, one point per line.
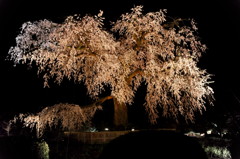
209 131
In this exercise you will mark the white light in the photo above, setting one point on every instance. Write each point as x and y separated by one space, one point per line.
132 129
209 132
202 134
106 129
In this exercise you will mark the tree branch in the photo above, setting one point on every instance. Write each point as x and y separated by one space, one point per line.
100 101
131 75
86 55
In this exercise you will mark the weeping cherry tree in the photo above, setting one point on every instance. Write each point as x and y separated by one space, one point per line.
71 116
149 49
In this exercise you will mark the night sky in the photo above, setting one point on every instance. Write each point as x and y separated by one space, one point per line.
219 28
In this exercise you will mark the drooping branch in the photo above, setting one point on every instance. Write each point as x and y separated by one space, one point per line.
86 55
67 116
102 100
99 102
134 73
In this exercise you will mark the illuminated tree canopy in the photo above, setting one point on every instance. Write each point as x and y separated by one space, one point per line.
139 49
69 116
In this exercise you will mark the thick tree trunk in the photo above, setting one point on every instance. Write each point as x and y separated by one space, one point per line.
120 115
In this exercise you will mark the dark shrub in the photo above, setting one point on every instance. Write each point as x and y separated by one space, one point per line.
153 144
16 147
235 148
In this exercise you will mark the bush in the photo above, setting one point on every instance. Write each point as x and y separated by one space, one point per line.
42 149
15 147
74 150
153 144
216 148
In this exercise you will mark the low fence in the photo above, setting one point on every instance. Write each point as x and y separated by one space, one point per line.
95 137
101 137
